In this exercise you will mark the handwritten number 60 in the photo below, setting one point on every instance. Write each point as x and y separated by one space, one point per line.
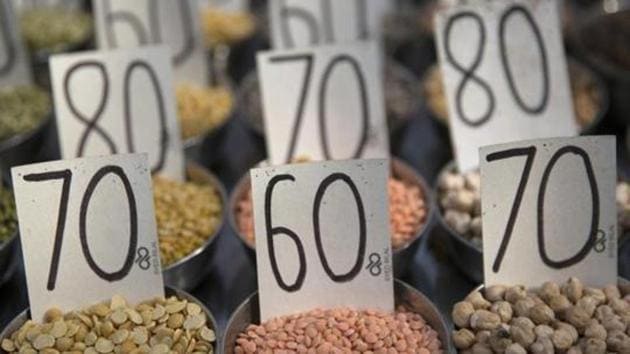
319 195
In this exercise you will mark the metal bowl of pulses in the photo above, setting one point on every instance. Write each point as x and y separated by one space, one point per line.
211 323
402 255
189 271
248 313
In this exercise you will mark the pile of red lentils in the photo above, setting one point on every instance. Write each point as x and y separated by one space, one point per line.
341 331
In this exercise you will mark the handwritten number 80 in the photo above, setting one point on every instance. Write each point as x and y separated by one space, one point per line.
469 72
91 123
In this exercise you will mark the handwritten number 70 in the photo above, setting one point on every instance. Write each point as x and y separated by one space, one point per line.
530 153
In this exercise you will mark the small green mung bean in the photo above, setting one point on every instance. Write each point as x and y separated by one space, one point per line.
187 213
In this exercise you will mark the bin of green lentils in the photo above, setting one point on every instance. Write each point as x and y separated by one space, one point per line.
400 88
25 116
416 326
458 197
590 97
178 323
552 318
8 235
49 30
411 210
189 219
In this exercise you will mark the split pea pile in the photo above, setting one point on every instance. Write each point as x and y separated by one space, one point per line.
226 27
341 331
567 318
587 98
8 217
187 215
201 109
407 213
459 196
55 28
22 109
159 326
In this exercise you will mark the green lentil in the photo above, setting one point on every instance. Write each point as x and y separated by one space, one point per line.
187 214
55 28
22 108
8 218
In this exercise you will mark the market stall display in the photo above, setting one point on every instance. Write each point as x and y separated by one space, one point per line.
202 126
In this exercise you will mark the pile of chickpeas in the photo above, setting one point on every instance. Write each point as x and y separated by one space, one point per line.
554 318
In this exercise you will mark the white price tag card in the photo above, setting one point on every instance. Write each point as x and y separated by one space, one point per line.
88 232
14 63
304 23
129 24
505 74
322 236
116 102
549 211
328 105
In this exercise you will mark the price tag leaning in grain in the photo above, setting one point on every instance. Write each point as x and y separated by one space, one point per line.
549 211
326 236
87 228
305 23
328 105
505 74
14 63
116 102
131 24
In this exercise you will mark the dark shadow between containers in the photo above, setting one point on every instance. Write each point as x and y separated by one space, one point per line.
8 257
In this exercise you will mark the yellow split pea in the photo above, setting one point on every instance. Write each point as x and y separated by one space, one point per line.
187 214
